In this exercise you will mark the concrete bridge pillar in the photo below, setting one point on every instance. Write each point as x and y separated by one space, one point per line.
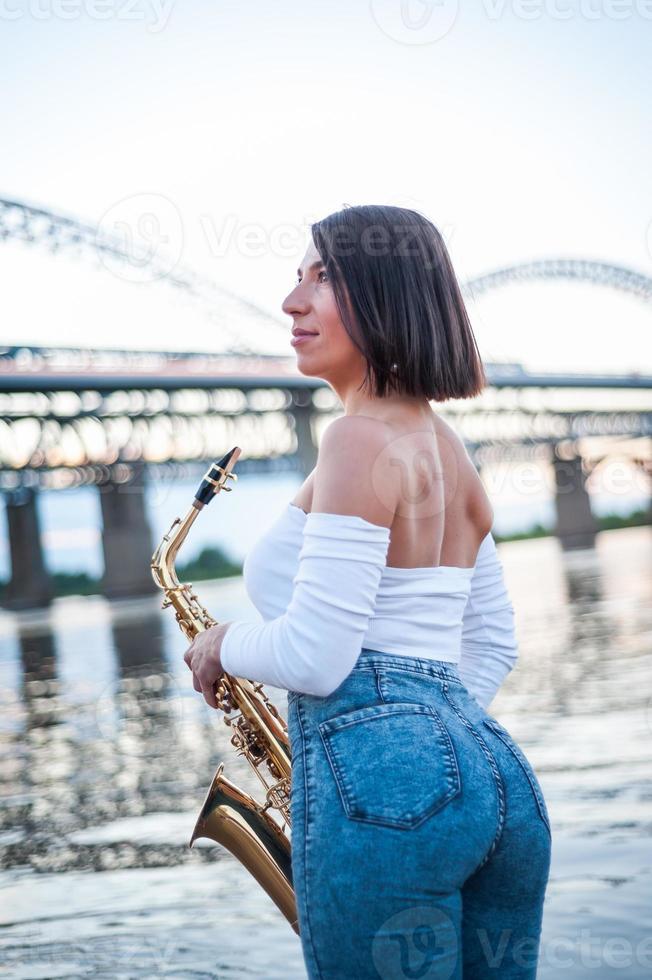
576 525
30 584
302 412
126 538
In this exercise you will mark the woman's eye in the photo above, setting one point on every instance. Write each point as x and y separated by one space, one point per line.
321 273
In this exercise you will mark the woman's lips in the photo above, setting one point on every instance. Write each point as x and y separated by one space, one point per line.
300 338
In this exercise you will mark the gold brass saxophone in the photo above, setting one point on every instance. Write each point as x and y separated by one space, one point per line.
230 816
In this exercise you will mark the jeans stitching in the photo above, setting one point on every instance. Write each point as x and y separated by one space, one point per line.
345 790
308 938
443 675
379 683
525 766
337 722
382 679
497 779
338 774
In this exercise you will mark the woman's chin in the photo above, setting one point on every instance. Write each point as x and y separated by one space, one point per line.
305 367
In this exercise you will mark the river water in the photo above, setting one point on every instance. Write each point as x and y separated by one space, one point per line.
106 752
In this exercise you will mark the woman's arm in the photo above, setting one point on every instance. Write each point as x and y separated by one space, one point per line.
314 645
489 647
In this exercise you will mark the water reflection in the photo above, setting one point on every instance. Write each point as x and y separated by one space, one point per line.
39 678
90 755
591 632
106 753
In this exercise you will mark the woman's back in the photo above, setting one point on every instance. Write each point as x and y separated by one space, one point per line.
444 512
325 587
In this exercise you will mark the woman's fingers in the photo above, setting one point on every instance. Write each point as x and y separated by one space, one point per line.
208 690
199 661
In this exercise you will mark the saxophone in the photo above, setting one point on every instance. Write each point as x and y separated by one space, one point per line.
229 815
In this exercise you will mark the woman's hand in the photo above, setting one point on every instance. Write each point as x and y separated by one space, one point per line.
203 659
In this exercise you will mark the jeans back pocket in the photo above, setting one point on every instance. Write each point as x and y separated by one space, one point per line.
516 750
394 763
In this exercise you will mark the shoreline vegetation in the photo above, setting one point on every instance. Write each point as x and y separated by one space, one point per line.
212 563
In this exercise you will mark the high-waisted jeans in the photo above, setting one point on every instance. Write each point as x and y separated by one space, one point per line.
420 835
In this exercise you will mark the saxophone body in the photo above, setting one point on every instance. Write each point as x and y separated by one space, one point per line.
231 817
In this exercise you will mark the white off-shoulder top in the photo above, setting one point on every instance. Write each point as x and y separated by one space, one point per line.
322 586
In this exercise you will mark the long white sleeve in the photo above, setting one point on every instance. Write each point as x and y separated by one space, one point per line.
314 645
489 647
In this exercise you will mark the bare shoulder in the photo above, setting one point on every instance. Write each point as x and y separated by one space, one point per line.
348 478
353 429
478 504
448 435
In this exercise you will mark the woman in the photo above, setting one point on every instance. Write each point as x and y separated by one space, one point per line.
420 835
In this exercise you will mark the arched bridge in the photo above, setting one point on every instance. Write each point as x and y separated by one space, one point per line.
618 277
55 231
69 417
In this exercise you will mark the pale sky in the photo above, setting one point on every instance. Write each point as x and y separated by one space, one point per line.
522 130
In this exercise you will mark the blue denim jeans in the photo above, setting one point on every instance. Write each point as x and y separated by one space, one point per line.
420 835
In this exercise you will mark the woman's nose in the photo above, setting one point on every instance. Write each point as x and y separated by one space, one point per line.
294 302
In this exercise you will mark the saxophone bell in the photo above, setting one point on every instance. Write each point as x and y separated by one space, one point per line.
231 817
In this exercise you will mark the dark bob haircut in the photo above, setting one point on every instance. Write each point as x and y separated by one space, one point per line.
400 302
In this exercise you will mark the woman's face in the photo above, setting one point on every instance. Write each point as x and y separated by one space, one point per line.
330 352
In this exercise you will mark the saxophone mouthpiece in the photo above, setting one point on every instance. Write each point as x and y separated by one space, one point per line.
216 477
